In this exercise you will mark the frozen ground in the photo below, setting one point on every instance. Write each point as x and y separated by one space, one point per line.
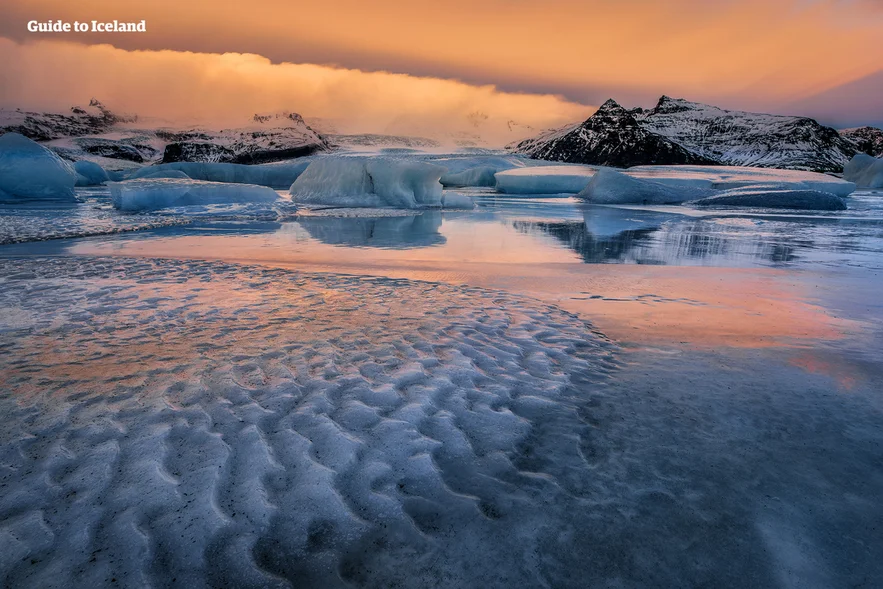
535 393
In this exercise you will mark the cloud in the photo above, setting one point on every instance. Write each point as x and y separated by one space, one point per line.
228 88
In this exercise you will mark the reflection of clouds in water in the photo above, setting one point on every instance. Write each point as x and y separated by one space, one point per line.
412 231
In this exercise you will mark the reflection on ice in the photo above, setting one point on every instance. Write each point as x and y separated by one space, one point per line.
402 232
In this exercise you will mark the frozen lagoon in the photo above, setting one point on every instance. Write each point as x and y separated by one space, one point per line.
538 392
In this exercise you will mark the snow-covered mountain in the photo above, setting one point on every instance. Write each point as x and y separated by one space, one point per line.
867 140
612 136
116 141
677 131
267 137
90 120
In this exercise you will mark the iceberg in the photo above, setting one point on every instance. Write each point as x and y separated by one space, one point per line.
369 182
865 170
455 200
725 177
158 193
277 175
775 197
89 173
168 174
544 179
609 186
30 171
481 176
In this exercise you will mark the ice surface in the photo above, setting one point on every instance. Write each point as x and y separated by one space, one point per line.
158 193
609 186
277 175
475 170
89 173
30 171
723 177
775 197
544 179
866 171
480 176
205 424
454 200
369 182
166 174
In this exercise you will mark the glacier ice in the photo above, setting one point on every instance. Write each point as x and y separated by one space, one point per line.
775 197
167 174
865 170
544 179
369 182
475 170
609 186
455 200
89 173
481 176
157 193
30 171
277 175
724 177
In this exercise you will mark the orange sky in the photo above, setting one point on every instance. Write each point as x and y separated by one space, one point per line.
782 56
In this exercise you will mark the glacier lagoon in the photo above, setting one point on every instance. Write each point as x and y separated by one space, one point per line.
536 392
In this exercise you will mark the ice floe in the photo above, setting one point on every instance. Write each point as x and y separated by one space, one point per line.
369 182
30 171
544 179
865 170
609 186
90 173
724 177
277 175
775 197
158 193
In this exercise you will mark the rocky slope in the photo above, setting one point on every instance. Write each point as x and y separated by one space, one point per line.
612 136
867 140
95 133
678 131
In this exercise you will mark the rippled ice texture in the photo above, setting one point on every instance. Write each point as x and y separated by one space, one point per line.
195 423
191 424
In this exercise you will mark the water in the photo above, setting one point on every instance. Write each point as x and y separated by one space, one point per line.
535 393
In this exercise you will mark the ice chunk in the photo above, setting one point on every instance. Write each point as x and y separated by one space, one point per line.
482 176
157 193
369 182
866 171
30 171
775 197
89 173
609 186
724 177
277 175
544 179
168 174
454 200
